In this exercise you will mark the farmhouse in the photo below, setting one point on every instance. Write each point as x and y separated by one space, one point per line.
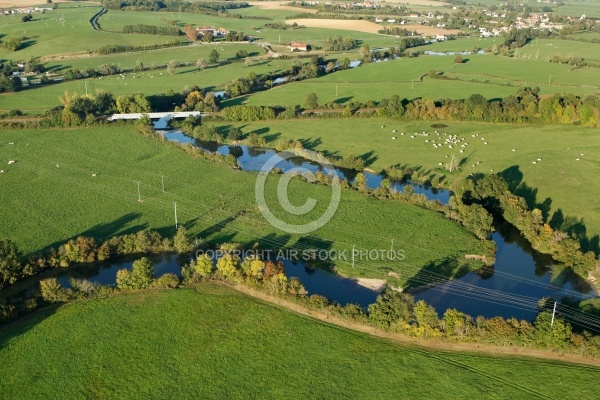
202 30
299 46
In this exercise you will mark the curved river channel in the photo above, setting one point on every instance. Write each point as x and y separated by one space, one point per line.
511 288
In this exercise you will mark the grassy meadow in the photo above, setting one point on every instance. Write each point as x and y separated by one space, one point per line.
559 176
212 342
49 196
49 36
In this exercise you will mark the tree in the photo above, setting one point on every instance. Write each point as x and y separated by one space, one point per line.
13 44
345 63
253 267
204 265
140 277
27 18
311 101
453 164
272 269
426 317
51 290
201 63
10 262
190 33
228 265
392 310
213 56
248 62
181 243
208 37
171 67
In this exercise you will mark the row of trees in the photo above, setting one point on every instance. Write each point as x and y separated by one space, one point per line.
85 250
493 192
152 30
525 106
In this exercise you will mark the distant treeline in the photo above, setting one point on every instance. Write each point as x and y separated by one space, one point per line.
397 31
172 5
152 30
118 48
525 106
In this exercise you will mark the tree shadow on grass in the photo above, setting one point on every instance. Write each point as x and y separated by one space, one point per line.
101 232
574 226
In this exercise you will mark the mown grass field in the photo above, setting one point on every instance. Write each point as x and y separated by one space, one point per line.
490 76
547 48
559 176
49 36
215 343
45 204
37 99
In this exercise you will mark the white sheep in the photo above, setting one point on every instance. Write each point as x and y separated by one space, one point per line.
11 162
393 137
93 175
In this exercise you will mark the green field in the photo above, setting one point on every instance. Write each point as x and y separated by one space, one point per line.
490 76
40 98
558 177
46 205
49 36
215 343
545 49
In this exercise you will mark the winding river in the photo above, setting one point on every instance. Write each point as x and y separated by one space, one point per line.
511 288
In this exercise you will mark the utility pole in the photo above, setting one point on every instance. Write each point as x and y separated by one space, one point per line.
163 183
553 313
352 256
175 204
549 79
86 92
336 91
139 195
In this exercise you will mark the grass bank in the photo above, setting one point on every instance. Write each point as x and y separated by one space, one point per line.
214 342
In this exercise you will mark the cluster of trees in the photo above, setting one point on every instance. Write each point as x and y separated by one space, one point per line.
243 85
269 275
13 44
397 31
119 48
196 100
84 250
84 109
493 193
10 83
172 5
152 30
283 26
577 61
247 113
398 312
339 43
525 106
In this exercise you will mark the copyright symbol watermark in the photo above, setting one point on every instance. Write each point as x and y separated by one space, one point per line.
282 192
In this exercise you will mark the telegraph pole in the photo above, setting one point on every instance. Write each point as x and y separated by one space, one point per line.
163 183
139 195
553 313
175 204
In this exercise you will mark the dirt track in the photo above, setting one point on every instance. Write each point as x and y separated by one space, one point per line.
484 349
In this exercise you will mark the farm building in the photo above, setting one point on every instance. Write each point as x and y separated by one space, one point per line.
299 46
